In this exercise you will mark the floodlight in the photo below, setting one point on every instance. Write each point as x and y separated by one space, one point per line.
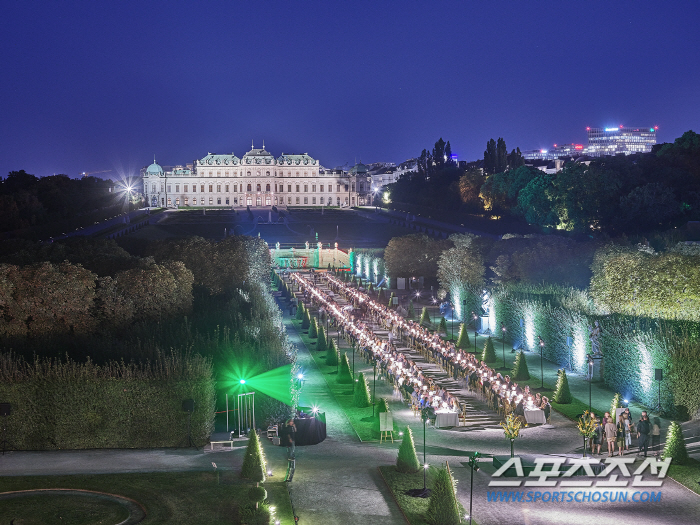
242 381
300 376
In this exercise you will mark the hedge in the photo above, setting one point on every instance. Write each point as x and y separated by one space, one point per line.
70 405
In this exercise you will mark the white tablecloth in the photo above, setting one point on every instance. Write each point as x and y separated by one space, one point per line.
535 416
446 419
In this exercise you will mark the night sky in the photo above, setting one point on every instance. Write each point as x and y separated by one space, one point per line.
96 85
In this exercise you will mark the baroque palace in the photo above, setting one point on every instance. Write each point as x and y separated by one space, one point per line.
257 179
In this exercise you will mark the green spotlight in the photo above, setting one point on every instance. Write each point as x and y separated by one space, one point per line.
242 381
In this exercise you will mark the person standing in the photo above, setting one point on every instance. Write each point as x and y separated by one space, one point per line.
290 436
656 435
610 434
643 431
621 432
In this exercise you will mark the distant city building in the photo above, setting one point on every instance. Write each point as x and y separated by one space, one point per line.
257 179
601 142
620 140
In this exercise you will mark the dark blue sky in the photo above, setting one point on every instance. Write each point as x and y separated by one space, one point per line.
91 86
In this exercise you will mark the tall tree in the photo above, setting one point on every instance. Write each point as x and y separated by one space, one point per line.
501 156
439 154
449 163
515 159
490 157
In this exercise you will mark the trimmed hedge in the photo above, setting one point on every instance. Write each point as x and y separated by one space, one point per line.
562 394
361 393
70 405
463 338
345 374
489 353
520 371
407 460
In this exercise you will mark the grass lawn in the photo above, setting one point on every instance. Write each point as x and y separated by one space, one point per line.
687 475
172 498
413 508
366 427
73 509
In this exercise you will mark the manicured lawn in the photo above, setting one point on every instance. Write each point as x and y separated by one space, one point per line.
687 475
413 508
173 498
366 427
73 509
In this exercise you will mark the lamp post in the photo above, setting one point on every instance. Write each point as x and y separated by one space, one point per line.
503 340
374 386
541 361
474 466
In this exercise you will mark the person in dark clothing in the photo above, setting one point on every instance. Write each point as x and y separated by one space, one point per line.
643 431
290 434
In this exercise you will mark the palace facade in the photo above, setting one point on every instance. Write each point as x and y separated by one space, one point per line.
258 179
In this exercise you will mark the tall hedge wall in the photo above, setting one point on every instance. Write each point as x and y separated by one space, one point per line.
70 405
633 348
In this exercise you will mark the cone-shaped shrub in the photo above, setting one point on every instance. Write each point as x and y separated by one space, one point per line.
306 320
443 326
361 394
313 328
382 406
520 371
424 316
614 405
321 345
254 460
381 295
463 338
345 375
391 300
675 444
370 288
489 353
411 310
331 353
443 508
407 461
300 312
257 494
562 394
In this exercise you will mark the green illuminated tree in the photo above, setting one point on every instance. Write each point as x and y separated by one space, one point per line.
306 320
520 371
254 460
463 338
382 406
321 344
391 300
381 295
443 508
675 444
489 353
443 326
407 460
313 328
345 375
300 312
411 310
361 393
257 495
615 404
332 353
424 316
562 394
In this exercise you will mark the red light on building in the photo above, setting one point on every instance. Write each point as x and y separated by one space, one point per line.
578 146
621 126
588 129
555 145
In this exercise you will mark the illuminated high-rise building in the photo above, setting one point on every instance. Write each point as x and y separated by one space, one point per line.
620 140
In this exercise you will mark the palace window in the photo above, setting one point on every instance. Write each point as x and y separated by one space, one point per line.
227 188
306 188
338 190
298 201
248 174
235 200
353 187
201 188
211 201
218 188
153 188
267 187
313 188
169 188
250 187
169 202
257 187
321 188
313 200
187 201
177 188
338 201
267 173
194 201
218 174
267 200
297 188
289 200
353 201
321 200
235 188
211 188
227 200
177 202
185 188
218 200
306 200
289 188
346 187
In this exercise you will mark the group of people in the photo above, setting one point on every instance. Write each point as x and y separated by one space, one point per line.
618 433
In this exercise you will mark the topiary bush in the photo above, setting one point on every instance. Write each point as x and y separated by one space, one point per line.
443 326
675 444
424 316
313 328
332 353
306 320
463 338
382 406
615 404
520 371
300 311
254 460
391 300
411 310
489 353
345 374
443 508
257 495
407 460
562 394
361 395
